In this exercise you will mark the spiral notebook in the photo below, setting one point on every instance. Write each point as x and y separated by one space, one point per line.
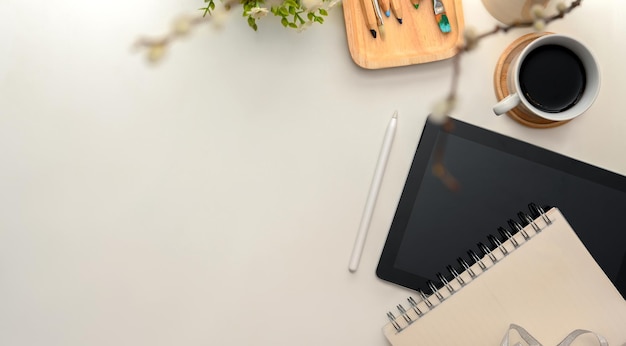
541 278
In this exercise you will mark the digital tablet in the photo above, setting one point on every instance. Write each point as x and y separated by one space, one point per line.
498 177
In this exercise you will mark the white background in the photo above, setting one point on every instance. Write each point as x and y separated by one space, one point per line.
214 199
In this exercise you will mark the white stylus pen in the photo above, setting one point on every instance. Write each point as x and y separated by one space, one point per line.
373 194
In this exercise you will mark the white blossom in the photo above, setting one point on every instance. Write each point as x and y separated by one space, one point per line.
304 26
181 26
258 12
539 24
441 110
156 52
561 7
537 11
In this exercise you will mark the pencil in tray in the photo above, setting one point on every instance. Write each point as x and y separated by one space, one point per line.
370 16
396 9
384 6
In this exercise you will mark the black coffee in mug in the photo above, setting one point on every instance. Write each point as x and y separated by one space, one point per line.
552 78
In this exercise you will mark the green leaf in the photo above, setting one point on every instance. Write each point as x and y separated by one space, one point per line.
293 25
284 11
210 7
310 16
251 22
319 20
284 22
323 12
292 10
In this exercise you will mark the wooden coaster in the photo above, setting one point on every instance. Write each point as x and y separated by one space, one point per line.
502 89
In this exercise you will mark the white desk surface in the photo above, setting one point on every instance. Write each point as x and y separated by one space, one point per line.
144 205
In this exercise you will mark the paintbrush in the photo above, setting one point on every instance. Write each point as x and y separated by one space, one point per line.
379 18
441 17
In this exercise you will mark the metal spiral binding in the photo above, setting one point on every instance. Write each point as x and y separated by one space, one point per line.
413 304
456 275
414 312
424 297
505 233
466 267
517 227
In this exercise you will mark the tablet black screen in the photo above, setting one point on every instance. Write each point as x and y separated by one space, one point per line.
498 177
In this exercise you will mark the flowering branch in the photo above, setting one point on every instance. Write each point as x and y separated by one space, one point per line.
471 41
296 14
182 26
292 12
446 106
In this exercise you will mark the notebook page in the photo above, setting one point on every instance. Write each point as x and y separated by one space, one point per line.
550 285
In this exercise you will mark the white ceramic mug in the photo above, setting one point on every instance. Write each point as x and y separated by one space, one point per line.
517 98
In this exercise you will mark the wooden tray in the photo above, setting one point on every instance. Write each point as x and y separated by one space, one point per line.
417 40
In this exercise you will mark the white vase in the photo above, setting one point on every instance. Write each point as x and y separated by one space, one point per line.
509 11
